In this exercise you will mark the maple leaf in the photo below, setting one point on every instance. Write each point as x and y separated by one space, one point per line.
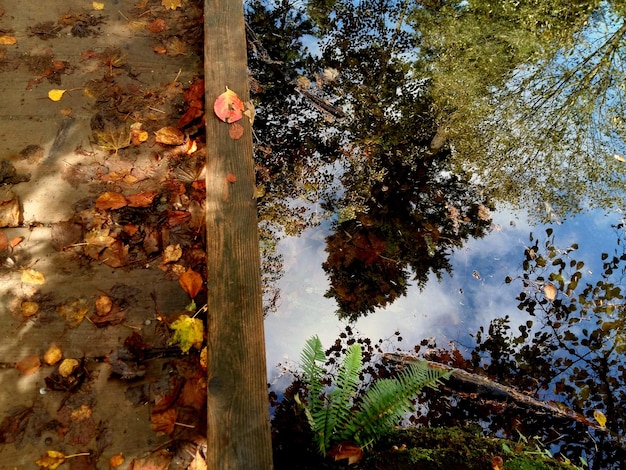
188 332
228 107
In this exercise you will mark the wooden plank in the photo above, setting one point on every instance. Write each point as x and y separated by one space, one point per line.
238 413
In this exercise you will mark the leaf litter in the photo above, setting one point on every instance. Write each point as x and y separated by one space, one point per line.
144 167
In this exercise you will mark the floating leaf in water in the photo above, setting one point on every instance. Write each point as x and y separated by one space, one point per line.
599 417
549 291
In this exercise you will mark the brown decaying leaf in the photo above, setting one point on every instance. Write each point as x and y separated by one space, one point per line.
111 200
347 451
228 107
116 255
191 282
157 26
28 365
235 131
164 422
172 253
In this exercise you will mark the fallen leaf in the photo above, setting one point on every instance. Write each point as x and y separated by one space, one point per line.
203 358
4 241
171 4
56 95
347 451
28 365
157 26
550 291
599 417
188 332
176 218
6 40
190 115
156 461
65 234
195 93
228 107
104 304
52 355
231 178
172 253
29 308
191 282
97 6
51 460
165 421
74 312
198 462
111 200
235 131
16 241
67 367
169 136
115 255
497 463
30 276
116 460
160 49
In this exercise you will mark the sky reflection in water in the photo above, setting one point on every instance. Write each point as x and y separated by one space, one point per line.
449 310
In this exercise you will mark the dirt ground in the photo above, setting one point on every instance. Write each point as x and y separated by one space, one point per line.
100 217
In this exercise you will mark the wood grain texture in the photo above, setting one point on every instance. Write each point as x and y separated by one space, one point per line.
238 412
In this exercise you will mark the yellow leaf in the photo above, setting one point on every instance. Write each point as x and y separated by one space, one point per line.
55 95
53 354
188 332
29 308
599 417
171 4
116 460
67 367
97 6
30 276
6 40
51 460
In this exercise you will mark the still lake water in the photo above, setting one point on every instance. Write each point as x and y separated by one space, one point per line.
449 310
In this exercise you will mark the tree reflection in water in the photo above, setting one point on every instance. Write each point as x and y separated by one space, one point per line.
358 114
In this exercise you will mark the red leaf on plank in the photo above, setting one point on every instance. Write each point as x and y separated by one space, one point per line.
228 107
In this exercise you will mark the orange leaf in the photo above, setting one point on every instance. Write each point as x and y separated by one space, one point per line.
347 451
110 200
235 131
141 199
6 40
16 241
116 460
231 178
28 365
164 422
157 26
191 282
4 241
228 107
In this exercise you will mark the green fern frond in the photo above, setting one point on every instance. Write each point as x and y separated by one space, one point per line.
387 400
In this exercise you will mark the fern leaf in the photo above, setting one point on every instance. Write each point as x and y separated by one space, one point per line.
340 398
388 400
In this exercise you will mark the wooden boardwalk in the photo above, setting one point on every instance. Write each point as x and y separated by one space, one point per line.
131 59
